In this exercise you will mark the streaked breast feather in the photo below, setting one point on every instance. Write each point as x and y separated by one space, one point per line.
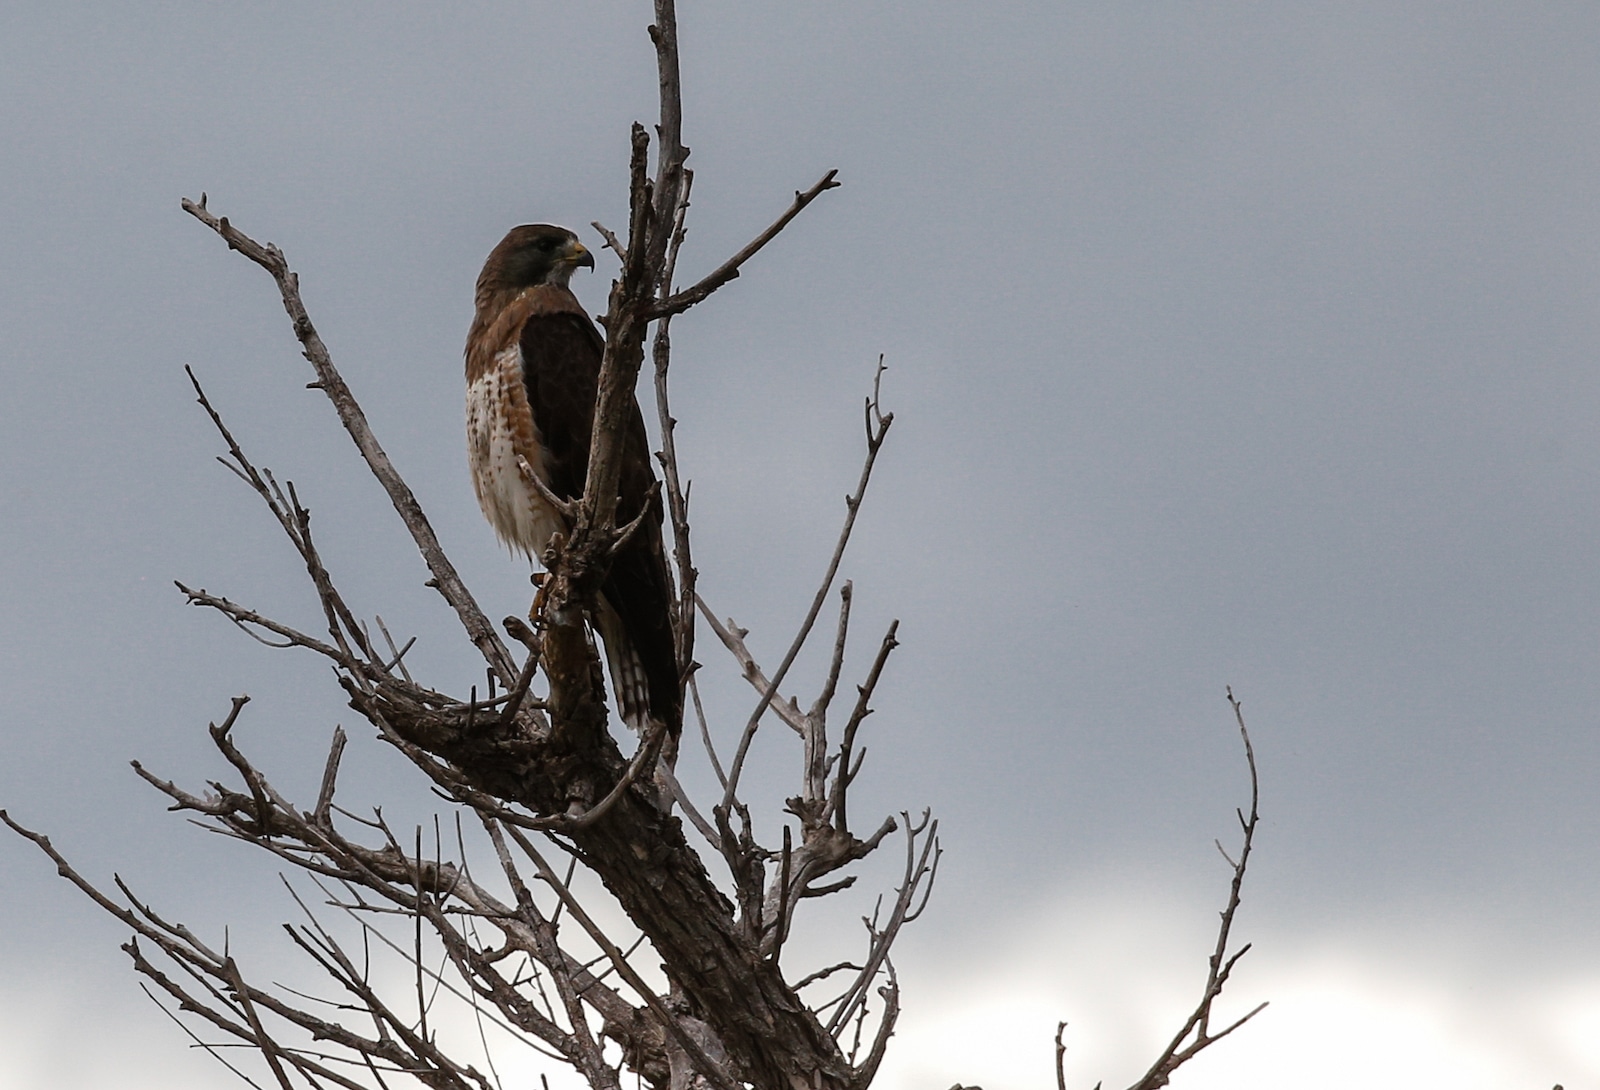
500 428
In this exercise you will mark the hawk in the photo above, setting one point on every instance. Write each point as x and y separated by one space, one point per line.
533 373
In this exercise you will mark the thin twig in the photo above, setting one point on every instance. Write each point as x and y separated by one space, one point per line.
677 493
845 772
269 1048
1220 965
1061 1055
732 637
705 728
878 423
705 1065
330 776
917 868
729 269
210 1048
696 818
445 579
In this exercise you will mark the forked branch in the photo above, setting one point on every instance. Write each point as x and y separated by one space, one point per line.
729 269
1196 1034
877 427
330 382
526 760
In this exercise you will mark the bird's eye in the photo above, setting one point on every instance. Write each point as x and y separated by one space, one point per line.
547 244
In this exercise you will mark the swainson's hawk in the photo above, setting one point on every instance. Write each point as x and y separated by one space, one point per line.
533 370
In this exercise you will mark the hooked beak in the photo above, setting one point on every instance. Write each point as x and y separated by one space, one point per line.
580 257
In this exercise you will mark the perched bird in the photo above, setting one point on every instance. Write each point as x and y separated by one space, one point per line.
533 372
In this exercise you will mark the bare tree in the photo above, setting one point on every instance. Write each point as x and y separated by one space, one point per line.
485 919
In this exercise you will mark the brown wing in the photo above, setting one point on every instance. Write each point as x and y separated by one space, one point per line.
561 370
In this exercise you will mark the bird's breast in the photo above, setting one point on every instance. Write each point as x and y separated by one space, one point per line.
500 430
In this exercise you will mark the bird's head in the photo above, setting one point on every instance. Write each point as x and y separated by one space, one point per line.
535 253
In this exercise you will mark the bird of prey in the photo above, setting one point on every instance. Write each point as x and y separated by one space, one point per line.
533 372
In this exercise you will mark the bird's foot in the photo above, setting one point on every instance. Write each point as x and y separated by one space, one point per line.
541 592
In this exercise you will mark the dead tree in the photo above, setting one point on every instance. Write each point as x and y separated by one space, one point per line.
483 913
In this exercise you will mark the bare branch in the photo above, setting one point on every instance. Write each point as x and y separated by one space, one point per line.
295 521
730 1018
566 508
517 1024
705 728
781 924
445 579
399 654
270 1049
920 871
877 430
244 617
845 772
890 994
677 494
1221 964
519 691
200 962
649 746
819 709
732 637
1061 1055
215 1053
613 243
697 819
705 1065
729 269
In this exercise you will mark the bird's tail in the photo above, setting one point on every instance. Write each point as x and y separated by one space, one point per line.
630 680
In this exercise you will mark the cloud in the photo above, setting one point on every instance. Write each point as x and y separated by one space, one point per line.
1125 965
66 1034
1379 1009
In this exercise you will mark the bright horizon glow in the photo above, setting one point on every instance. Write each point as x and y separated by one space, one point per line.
1121 967
1350 1012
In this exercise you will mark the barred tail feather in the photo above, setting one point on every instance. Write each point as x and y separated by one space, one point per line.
635 623
630 685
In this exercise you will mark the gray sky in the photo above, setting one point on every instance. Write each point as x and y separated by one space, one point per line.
1229 344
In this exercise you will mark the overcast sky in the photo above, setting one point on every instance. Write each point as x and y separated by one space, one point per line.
1228 344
